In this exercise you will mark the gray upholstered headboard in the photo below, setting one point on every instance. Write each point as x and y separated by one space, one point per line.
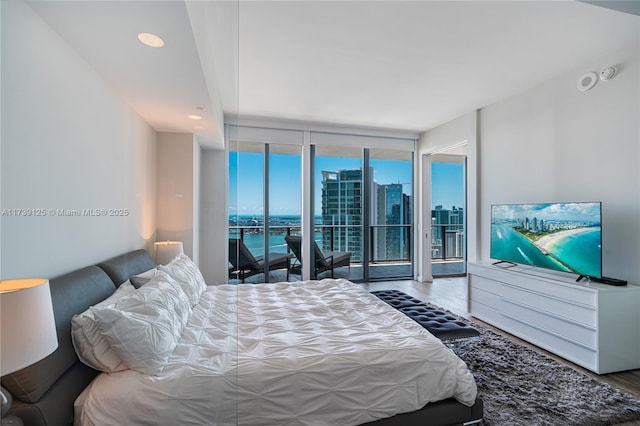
123 267
43 393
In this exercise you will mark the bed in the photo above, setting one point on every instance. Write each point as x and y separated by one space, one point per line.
317 352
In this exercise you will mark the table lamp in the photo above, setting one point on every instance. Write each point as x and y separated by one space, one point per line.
166 251
27 330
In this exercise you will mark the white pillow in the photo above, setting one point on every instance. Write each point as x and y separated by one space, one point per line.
144 327
91 347
186 273
143 278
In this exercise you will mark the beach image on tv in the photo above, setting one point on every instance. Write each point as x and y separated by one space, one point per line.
565 237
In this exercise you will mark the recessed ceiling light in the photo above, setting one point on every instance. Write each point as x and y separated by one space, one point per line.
150 40
194 117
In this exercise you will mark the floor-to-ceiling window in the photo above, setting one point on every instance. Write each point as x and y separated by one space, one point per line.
391 224
364 205
264 207
333 193
339 202
246 201
283 200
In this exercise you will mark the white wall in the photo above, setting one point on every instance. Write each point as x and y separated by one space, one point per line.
177 180
214 216
197 162
68 142
438 140
554 143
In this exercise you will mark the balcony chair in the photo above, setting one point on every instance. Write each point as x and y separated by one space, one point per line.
246 265
328 260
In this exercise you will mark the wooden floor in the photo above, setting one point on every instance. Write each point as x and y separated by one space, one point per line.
451 294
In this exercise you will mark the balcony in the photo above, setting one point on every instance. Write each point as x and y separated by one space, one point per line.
390 248
447 250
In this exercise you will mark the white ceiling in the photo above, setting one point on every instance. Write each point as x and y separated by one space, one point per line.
387 64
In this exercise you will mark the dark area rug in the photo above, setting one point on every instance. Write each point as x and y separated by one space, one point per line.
520 386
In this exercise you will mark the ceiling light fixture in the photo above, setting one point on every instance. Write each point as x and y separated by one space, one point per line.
587 81
150 40
194 117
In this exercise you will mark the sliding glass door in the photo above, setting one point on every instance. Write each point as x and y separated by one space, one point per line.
340 204
283 203
246 186
264 207
364 206
357 211
390 228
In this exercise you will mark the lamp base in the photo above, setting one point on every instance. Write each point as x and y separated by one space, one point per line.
5 404
12 421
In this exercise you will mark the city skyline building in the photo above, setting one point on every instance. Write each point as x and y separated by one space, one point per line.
447 232
343 209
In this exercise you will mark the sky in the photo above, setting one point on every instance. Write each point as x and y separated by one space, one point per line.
246 181
447 185
589 212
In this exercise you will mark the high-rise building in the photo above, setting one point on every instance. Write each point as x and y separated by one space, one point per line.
447 236
394 208
343 209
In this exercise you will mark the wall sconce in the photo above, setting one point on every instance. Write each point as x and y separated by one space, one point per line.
166 251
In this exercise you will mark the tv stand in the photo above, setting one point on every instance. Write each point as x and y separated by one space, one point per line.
588 323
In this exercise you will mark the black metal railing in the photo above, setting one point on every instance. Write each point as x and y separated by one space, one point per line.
447 242
388 243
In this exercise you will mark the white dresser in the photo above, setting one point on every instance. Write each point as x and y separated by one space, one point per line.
596 326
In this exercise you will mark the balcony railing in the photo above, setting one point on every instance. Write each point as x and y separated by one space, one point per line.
388 243
447 242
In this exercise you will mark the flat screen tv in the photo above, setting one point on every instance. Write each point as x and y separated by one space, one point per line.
561 236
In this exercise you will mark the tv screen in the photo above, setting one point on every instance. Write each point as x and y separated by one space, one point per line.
561 236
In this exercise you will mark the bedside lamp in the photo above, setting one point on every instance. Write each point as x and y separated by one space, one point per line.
165 251
27 330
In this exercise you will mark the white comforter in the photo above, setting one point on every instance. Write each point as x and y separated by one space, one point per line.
309 353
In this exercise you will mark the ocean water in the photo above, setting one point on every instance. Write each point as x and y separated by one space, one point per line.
580 252
277 244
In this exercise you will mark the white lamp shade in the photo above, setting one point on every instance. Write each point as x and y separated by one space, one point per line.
27 325
166 251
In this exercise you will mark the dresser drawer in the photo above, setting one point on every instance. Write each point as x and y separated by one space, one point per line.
552 323
568 349
547 287
481 287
